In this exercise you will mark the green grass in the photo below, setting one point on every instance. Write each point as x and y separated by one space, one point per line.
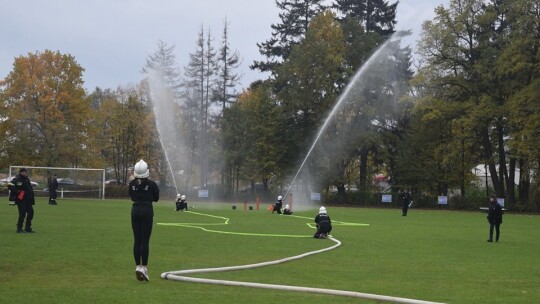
82 253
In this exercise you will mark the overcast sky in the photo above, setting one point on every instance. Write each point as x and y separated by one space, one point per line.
111 39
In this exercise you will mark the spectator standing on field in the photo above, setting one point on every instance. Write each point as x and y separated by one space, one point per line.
494 218
324 224
406 199
143 192
53 186
23 194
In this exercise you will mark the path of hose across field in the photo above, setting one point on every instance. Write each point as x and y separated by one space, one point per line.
180 275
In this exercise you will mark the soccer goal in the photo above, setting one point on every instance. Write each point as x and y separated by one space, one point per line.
72 182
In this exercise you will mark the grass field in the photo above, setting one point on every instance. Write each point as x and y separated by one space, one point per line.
82 253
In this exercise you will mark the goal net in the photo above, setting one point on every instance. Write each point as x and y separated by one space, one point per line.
72 182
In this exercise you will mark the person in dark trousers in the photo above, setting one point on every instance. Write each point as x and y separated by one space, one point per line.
181 203
324 224
287 210
406 199
53 186
278 205
23 194
143 192
494 218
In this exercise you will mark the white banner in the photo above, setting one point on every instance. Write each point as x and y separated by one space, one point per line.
442 200
386 198
315 196
203 193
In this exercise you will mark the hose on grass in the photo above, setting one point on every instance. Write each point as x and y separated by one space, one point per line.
181 276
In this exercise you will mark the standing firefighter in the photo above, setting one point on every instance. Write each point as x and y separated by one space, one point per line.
324 224
143 192
278 205
53 186
21 191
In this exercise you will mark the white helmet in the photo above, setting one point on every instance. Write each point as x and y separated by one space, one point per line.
286 206
178 195
141 169
183 197
322 210
279 198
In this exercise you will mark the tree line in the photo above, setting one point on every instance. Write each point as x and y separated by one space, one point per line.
470 100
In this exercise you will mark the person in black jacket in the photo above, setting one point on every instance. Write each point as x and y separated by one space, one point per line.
324 224
494 218
287 210
21 188
181 203
406 199
53 186
143 192
278 205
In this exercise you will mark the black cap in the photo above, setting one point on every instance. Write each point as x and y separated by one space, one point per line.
22 170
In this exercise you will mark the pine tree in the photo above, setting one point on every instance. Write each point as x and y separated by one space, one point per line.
227 78
374 15
163 63
198 89
295 18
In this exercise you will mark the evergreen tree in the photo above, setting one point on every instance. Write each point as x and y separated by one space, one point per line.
163 89
199 85
163 63
376 16
295 16
227 78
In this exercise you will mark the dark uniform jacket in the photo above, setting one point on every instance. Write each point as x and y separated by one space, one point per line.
324 224
21 183
406 198
53 185
143 190
495 214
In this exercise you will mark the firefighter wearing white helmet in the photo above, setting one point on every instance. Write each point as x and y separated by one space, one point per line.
324 224
287 210
143 192
278 205
181 203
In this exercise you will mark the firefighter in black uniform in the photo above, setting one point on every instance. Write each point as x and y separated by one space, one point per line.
406 199
22 193
143 192
324 224
278 205
287 210
494 218
53 186
181 203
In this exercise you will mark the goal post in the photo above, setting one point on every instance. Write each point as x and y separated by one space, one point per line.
72 182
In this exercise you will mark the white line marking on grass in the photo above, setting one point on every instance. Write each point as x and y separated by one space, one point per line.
180 274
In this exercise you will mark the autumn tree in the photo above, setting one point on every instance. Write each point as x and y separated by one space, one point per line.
46 117
127 130
479 66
